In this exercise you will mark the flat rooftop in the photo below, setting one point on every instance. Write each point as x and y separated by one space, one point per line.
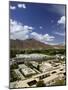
26 70
31 56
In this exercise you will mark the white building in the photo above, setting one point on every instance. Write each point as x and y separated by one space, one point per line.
29 57
45 67
26 70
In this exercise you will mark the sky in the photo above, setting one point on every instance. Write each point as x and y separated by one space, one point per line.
42 22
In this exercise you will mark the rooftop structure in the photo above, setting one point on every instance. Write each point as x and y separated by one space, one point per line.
31 56
49 71
35 64
22 66
19 74
45 67
26 70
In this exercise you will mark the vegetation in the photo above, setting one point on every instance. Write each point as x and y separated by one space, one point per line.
14 66
40 83
60 82
13 76
13 52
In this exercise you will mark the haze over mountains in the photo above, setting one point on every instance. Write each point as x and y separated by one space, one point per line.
32 44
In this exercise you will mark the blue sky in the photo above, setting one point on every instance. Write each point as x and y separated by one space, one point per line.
43 22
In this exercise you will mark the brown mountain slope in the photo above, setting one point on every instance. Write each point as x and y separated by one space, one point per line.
32 44
59 46
28 44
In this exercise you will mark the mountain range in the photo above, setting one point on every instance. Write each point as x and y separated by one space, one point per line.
32 44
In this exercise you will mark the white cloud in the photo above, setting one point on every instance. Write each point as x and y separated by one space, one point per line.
60 34
15 26
47 37
28 27
19 31
61 20
36 36
12 7
21 6
22 32
42 38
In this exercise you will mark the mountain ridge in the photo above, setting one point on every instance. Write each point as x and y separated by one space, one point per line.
32 44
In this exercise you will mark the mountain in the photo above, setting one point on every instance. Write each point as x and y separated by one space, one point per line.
59 46
28 44
31 44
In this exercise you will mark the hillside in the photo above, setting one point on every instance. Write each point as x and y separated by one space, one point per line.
32 44
28 44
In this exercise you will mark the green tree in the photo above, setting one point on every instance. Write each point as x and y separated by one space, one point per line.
60 82
40 83
14 66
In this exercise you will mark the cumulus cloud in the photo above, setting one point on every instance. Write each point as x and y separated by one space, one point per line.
47 37
61 20
19 31
15 26
23 32
12 7
28 27
42 38
36 36
21 6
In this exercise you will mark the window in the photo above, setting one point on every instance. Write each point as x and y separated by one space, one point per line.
53 72
32 82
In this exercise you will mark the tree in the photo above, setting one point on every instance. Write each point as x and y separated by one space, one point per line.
60 82
38 67
40 83
14 66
